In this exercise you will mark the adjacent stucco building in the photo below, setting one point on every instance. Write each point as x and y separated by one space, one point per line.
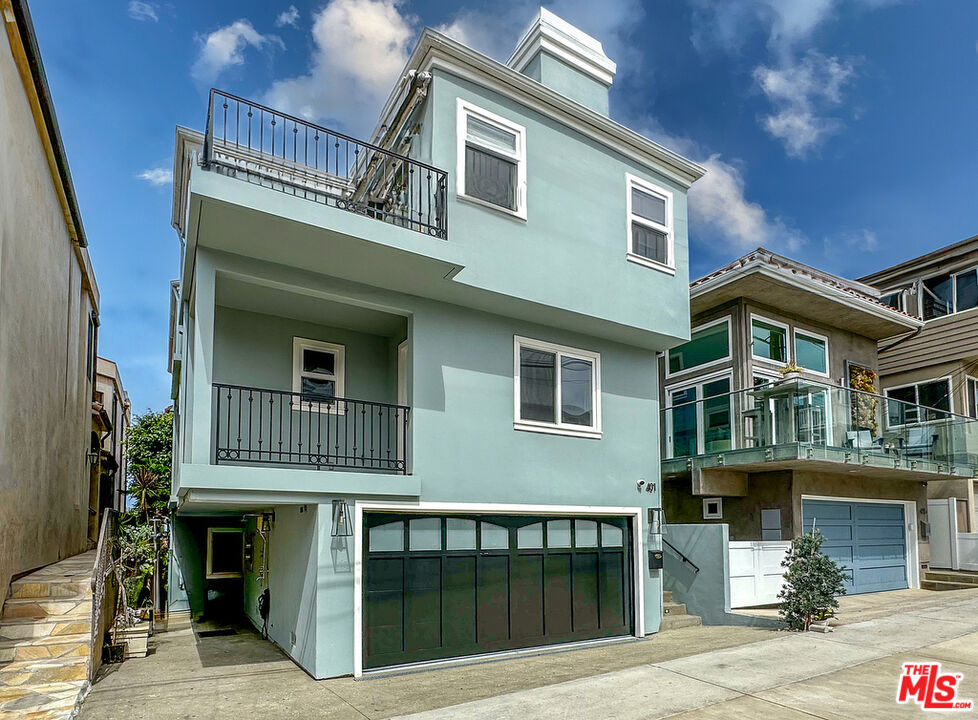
48 322
416 410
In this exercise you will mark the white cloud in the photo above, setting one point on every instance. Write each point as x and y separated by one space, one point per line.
861 240
139 10
288 17
800 92
360 48
156 176
720 213
225 47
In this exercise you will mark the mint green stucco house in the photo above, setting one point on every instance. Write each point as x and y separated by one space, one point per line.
414 378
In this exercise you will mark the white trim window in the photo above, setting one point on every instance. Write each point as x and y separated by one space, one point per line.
703 350
768 340
491 160
699 417
713 508
225 553
557 389
811 352
919 402
318 369
971 384
948 293
650 237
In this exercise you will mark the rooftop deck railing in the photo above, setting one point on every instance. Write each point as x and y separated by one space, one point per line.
817 414
252 142
254 426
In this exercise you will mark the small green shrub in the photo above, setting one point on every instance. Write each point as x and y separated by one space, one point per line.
812 581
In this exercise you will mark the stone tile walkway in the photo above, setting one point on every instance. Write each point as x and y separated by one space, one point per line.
45 641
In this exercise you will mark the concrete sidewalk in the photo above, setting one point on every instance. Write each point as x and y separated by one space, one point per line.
850 673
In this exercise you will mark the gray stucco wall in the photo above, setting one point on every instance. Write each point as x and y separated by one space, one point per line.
45 395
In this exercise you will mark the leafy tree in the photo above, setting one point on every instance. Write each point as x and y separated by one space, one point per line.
142 531
812 581
149 448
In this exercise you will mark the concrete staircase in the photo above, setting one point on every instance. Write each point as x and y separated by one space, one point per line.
674 614
45 641
949 580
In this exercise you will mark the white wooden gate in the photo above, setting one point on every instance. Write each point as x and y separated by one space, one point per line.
756 575
950 549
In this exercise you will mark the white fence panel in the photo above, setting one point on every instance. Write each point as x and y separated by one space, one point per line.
968 551
756 575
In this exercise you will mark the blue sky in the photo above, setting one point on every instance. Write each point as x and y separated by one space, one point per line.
839 132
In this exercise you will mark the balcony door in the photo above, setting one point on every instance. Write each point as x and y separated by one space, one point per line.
698 421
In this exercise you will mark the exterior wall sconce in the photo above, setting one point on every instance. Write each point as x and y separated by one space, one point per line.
341 519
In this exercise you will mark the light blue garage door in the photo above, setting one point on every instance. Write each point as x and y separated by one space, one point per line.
868 539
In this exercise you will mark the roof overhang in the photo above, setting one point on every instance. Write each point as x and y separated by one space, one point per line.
435 51
803 296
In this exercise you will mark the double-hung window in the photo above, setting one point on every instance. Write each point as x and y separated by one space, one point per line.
558 389
318 369
491 160
650 232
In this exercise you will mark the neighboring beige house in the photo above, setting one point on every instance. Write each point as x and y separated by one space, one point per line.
769 449
111 398
48 322
937 365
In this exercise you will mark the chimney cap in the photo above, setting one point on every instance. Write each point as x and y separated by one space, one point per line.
573 46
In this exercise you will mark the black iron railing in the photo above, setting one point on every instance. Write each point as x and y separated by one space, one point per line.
255 143
254 425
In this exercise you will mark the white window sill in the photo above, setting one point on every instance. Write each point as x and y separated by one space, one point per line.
645 262
557 430
768 361
519 214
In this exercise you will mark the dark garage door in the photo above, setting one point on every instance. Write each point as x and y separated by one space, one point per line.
448 586
868 539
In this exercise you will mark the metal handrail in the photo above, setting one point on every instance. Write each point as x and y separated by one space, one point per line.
681 555
280 427
375 182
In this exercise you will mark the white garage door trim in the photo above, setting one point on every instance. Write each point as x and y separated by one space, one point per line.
910 521
634 513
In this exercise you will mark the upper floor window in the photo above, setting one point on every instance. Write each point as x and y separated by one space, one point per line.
894 300
491 159
948 293
318 369
812 352
769 340
933 395
708 344
650 236
558 389
971 385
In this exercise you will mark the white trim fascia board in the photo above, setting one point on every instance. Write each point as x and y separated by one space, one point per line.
583 62
815 336
728 319
809 285
638 533
436 51
910 534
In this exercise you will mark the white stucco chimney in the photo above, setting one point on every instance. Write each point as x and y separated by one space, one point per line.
565 59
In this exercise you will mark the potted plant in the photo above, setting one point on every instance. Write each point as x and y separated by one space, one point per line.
791 371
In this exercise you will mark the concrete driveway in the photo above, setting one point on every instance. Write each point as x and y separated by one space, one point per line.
709 672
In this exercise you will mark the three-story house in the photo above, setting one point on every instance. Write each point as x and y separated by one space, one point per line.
414 376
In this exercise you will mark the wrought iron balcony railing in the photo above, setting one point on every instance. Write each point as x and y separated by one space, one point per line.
250 141
706 419
258 426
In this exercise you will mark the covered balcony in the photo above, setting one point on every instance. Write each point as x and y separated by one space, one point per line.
781 425
251 142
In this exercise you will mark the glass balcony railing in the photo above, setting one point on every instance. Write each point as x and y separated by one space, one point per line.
705 420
